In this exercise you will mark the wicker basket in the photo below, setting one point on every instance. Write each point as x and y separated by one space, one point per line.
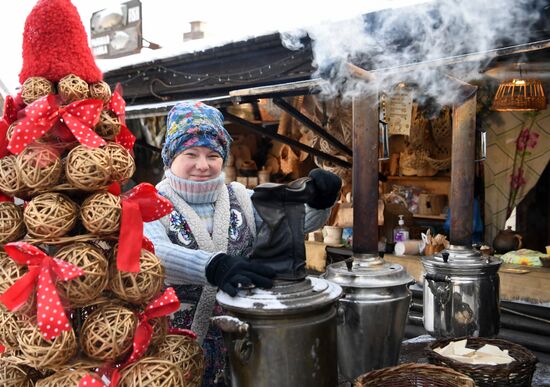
517 373
412 374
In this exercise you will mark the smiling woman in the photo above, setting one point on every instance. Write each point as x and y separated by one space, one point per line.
197 164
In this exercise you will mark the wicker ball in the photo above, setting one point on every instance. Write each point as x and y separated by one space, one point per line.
12 375
39 166
65 378
122 162
9 329
100 213
35 88
11 129
12 227
109 125
151 372
42 353
84 289
72 88
100 90
10 181
137 288
108 333
10 272
187 354
160 330
50 215
88 169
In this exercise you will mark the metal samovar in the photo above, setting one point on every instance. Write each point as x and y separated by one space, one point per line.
284 336
461 293
372 313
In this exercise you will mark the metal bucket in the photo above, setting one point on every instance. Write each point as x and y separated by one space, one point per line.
282 337
372 313
461 293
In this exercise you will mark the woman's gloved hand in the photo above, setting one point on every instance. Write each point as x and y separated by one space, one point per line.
229 272
327 188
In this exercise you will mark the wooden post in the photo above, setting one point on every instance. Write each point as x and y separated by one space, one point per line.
365 174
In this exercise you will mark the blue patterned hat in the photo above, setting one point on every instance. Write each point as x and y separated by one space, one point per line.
191 124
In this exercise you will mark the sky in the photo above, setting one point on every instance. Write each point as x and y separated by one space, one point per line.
165 21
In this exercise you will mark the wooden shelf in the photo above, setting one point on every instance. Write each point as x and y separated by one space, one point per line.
420 178
434 217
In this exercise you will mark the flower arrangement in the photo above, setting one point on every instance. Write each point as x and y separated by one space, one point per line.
527 139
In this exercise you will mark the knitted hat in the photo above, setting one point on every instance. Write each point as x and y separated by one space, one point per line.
192 124
55 44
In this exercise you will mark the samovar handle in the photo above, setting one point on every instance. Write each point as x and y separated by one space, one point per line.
230 324
243 347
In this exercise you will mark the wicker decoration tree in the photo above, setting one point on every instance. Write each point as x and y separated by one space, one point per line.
65 308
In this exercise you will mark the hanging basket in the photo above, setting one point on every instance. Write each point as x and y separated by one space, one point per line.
122 162
100 90
41 353
152 372
187 354
107 333
12 227
100 213
413 375
39 166
10 181
35 88
88 169
72 88
50 215
137 288
84 289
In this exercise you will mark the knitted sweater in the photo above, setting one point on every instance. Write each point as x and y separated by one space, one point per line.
187 266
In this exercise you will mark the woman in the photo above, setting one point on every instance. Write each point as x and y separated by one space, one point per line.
211 231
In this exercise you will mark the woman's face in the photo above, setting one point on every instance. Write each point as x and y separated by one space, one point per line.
197 164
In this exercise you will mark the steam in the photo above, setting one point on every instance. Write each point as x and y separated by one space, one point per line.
420 33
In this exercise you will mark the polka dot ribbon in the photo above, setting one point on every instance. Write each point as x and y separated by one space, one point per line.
164 305
9 116
51 317
118 106
90 381
182 332
2 349
40 116
140 204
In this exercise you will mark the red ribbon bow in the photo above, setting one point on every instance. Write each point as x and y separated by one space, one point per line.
140 204
80 117
118 106
52 320
165 304
90 380
9 116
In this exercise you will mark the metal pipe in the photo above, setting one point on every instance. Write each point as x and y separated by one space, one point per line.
365 174
461 201
277 137
311 125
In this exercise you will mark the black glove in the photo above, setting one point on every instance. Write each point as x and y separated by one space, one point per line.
228 272
327 188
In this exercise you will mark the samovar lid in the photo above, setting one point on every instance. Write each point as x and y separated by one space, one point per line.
286 297
366 271
461 257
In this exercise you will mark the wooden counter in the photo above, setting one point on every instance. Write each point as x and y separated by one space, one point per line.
517 283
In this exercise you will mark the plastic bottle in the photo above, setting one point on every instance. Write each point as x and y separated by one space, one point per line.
401 232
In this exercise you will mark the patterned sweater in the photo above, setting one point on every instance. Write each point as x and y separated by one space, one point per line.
187 266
